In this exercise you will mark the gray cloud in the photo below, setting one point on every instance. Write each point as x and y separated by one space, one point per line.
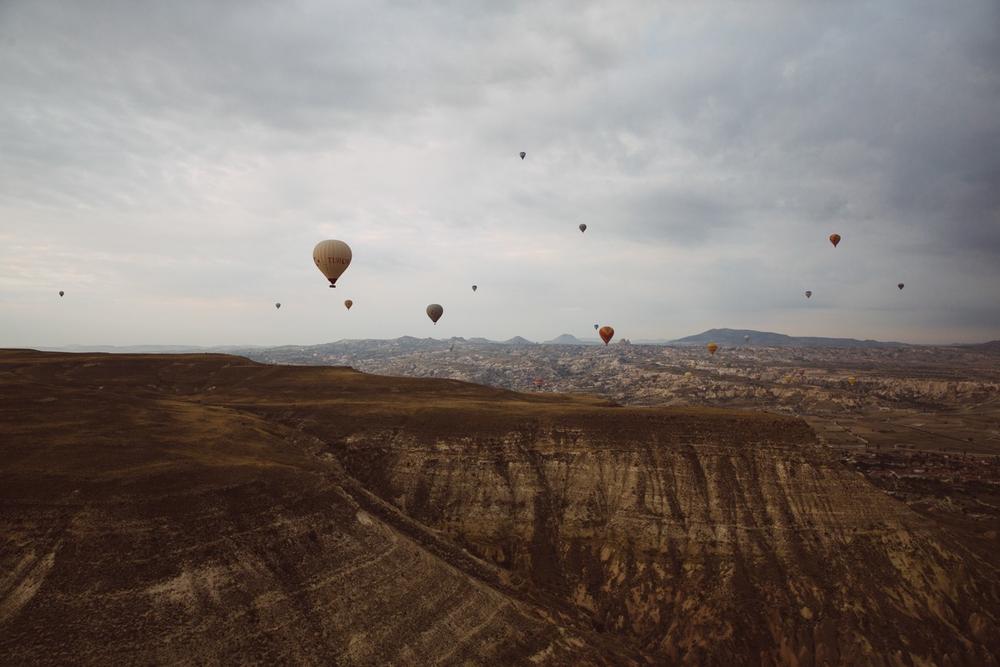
175 163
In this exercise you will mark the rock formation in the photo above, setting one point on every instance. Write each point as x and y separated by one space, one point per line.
206 508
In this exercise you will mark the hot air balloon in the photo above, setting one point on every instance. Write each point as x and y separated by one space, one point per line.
809 293
332 259
834 239
61 292
852 380
475 287
348 303
435 311
746 339
583 228
606 334
900 286
277 305
712 347
523 154
596 327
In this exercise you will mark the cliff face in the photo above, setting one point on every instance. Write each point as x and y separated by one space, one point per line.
140 526
318 514
704 537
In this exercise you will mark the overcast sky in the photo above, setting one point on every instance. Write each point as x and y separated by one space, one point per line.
171 165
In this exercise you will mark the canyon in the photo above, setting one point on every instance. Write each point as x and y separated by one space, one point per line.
159 508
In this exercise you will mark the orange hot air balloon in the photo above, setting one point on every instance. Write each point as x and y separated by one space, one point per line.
834 239
435 311
348 303
852 380
712 347
606 334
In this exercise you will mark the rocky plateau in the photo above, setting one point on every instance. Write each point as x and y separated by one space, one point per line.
207 508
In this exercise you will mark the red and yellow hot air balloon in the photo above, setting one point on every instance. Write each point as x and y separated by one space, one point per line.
606 334
348 303
712 348
834 239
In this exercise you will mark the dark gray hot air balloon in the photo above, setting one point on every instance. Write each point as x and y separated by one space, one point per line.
523 154
61 292
583 228
277 305
900 286
475 287
809 293
435 311
596 327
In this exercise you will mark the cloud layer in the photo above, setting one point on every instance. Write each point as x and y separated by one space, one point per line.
171 165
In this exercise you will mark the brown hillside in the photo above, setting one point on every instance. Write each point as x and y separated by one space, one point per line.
206 508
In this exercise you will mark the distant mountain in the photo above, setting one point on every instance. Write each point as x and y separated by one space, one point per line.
570 339
517 340
727 337
733 337
991 347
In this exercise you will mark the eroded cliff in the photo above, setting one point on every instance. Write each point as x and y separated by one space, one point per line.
207 508
705 536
